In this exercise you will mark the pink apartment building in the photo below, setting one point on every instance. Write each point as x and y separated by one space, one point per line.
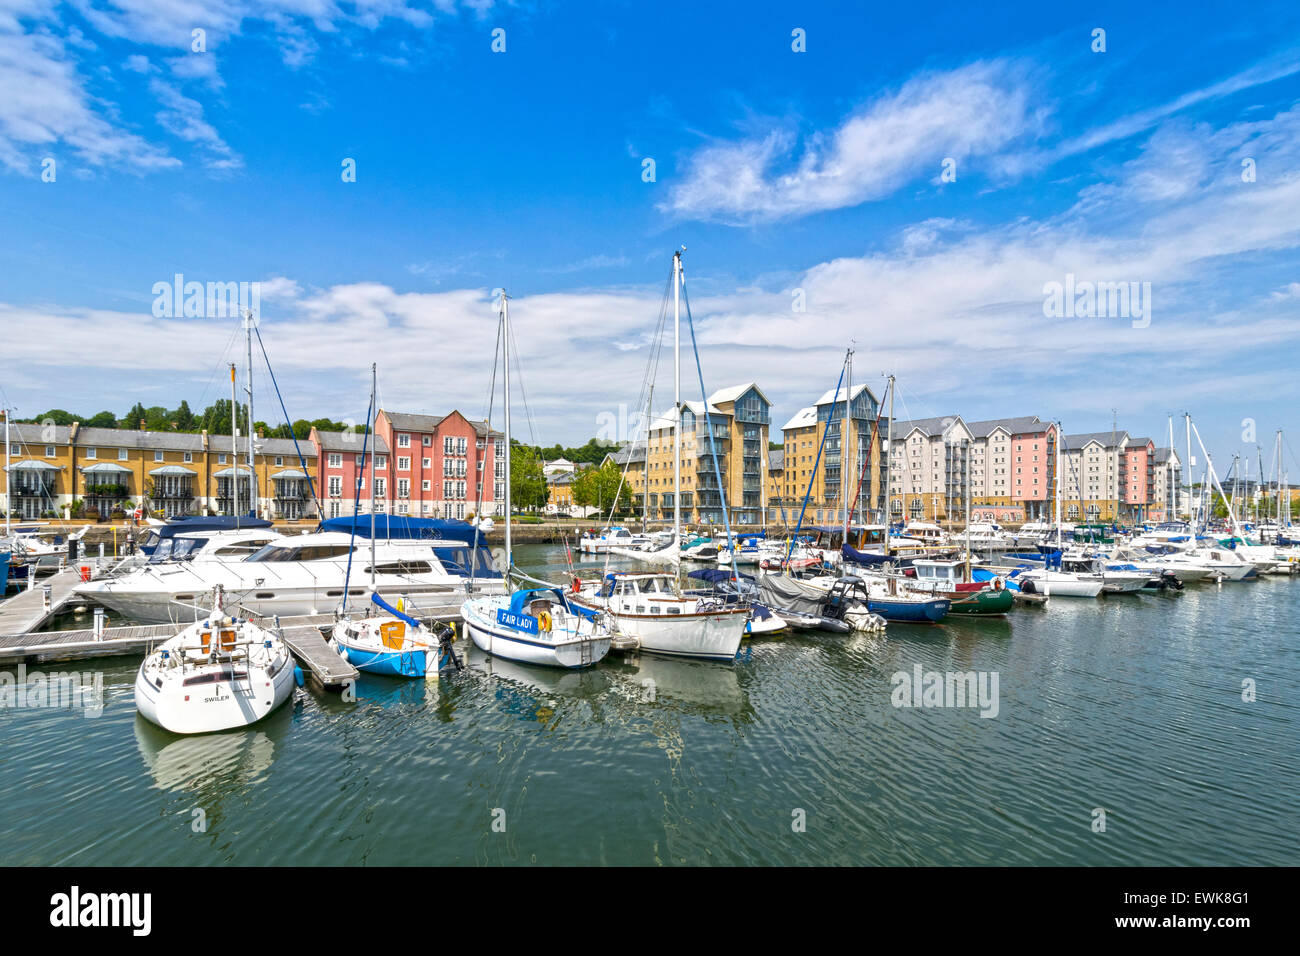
344 470
443 466
1033 468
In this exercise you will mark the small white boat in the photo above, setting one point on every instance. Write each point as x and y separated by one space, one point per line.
217 674
1059 583
599 542
537 626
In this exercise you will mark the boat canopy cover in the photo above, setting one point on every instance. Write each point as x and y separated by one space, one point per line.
862 557
520 600
403 527
192 523
715 575
784 592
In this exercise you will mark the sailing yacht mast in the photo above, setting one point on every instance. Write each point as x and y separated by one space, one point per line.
1059 432
846 480
677 397
8 478
234 447
505 347
889 464
248 387
374 415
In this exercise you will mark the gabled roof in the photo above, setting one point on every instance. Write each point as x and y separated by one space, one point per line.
929 427
802 418
1017 425
830 397
627 453
350 442
664 421
733 392
1107 440
150 441
415 422
1164 454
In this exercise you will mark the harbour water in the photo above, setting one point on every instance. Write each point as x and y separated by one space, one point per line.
1132 705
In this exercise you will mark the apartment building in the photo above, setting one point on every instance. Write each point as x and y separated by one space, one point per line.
1011 468
740 418
447 466
1090 475
930 463
848 424
1168 481
165 474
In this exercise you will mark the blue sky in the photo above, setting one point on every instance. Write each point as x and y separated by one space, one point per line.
779 170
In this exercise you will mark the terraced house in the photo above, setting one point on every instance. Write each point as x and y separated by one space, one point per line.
56 470
445 466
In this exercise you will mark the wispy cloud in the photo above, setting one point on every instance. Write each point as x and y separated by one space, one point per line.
972 111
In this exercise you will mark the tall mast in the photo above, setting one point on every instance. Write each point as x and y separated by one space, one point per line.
1191 463
845 458
8 478
677 396
1059 432
234 446
252 472
889 464
505 346
370 425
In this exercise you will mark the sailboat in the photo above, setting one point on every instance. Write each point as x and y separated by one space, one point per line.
219 673
392 643
532 625
651 607
1051 579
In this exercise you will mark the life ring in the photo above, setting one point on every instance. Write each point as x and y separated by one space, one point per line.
997 584
544 620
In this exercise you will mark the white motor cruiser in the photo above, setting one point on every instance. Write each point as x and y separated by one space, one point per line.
217 674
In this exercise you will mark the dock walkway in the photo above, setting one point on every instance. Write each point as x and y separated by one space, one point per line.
26 610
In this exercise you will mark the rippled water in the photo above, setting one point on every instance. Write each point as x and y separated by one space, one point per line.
1129 704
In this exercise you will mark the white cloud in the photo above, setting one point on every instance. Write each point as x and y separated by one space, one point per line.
183 118
973 111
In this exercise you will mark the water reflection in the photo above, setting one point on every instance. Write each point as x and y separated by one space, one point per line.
212 766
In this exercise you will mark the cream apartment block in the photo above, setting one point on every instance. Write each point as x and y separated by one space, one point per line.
929 468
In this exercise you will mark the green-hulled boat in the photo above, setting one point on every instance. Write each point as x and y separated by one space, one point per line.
949 579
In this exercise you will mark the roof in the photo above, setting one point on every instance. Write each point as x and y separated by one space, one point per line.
1016 425
29 434
775 459
664 421
930 427
802 418
1164 454
830 396
1105 439
350 442
562 478
1141 441
415 422
733 392
133 438
627 453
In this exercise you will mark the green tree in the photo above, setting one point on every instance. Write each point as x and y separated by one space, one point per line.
102 420
527 483
183 417
598 488
133 418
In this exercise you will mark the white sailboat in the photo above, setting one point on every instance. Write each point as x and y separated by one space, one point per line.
532 625
219 673
652 607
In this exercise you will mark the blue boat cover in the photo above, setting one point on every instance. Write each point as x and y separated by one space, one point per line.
714 575
403 527
861 557
392 610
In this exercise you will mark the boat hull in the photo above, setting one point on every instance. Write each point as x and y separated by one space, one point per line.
500 641
217 706
910 612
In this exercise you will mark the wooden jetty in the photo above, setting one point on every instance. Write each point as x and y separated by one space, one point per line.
26 610
303 635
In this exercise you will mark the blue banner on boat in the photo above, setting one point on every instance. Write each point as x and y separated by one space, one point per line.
392 610
519 622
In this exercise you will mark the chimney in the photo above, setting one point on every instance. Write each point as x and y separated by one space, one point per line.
142 424
72 432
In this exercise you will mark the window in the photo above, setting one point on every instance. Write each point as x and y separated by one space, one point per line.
462 445
403 464
121 455
335 460
424 485
448 445
427 462
336 486
380 486
279 461
189 456
49 451
403 488
428 440
381 462
92 452
403 441
157 456
361 461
